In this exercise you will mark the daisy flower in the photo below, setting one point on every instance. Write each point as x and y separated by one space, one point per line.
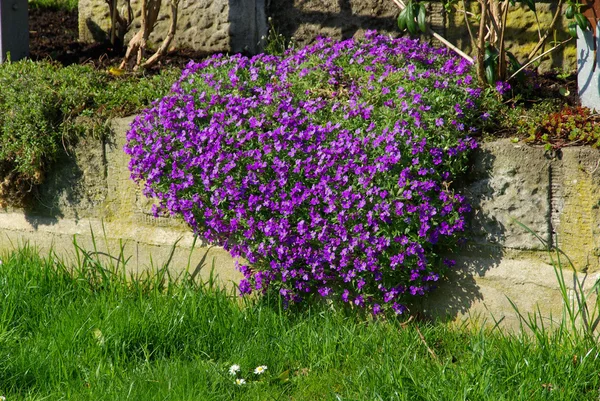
240 382
234 369
260 370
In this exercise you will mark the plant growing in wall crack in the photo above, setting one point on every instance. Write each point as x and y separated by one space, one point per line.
328 169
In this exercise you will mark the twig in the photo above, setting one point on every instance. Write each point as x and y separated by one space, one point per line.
439 37
543 38
473 42
162 50
481 45
433 355
502 63
537 58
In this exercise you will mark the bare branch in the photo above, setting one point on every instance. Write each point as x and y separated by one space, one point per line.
481 45
162 50
539 57
543 38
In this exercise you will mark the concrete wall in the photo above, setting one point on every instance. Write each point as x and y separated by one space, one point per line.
557 196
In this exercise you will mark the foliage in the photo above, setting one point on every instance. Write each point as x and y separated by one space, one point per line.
488 34
275 43
412 17
44 106
68 5
86 332
328 169
569 126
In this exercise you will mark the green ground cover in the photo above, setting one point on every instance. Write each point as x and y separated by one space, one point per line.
68 5
85 333
45 107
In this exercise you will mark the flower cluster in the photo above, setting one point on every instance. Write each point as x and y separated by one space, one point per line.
328 169
235 370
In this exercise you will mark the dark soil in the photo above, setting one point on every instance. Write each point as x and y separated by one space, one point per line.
53 34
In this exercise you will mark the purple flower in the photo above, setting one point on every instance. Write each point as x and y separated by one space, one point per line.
294 164
503 87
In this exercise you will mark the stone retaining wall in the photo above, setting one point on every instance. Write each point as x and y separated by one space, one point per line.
557 196
90 197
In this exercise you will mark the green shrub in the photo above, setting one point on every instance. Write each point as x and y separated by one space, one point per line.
68 5
44 107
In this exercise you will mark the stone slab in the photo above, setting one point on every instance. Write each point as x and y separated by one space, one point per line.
509 182
481 289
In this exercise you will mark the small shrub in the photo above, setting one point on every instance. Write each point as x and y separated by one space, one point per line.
328 169
44 106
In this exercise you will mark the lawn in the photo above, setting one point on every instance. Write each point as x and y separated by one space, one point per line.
84 332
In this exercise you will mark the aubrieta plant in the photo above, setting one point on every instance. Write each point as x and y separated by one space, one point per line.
327 169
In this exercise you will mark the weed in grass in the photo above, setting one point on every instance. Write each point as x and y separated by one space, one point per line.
581 309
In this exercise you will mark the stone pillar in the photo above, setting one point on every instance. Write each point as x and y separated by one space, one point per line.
588 67
14 30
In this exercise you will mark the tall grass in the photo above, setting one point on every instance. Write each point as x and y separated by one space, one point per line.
88 332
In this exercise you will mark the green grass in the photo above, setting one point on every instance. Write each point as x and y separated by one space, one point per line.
86 333
68 5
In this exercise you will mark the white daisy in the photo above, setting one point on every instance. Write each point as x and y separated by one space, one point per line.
260 370
234 369
240 382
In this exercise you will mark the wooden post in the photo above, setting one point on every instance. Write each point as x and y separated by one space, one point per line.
588 66
14 30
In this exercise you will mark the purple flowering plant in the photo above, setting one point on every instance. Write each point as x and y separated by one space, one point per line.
327 170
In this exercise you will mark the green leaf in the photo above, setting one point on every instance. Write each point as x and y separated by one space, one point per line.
573 29
570 11
283 377
411 25
582 21
564 92
421 18
402 20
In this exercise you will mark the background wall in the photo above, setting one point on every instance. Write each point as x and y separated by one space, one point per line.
242 25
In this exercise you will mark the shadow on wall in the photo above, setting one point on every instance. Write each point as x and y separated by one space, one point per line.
341 19
75 187
481 252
